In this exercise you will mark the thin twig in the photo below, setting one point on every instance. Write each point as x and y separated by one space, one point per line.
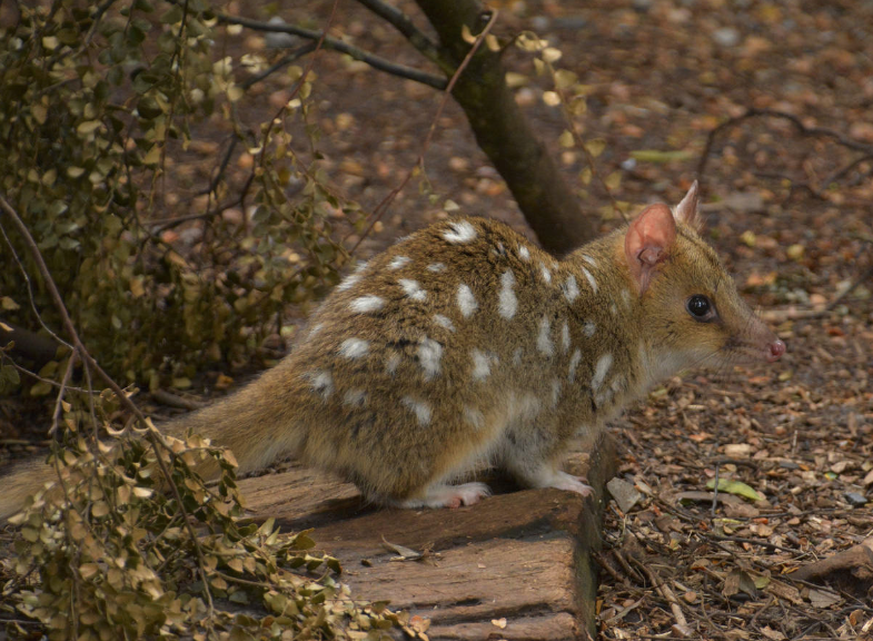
377 62
89 363
59 401
665 591
405 26
772 113
286 60
580 143
865 276
382 207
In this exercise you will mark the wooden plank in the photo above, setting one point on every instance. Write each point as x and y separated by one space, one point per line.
523 556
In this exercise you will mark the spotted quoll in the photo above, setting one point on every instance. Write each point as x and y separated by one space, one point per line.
464 344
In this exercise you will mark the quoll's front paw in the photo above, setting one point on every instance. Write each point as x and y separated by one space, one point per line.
564 481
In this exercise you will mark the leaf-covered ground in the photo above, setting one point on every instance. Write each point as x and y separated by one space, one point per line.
788 208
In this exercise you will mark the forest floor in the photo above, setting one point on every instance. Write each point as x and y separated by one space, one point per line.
794 228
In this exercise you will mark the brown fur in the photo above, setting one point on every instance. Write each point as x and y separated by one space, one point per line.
420 408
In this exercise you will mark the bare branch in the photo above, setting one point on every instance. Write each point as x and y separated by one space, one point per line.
89 362
286 60
836 136
437 82
405 26
383 206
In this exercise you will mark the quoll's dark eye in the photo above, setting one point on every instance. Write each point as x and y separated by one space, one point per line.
700 307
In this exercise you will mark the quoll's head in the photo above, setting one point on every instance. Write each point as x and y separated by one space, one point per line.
692 312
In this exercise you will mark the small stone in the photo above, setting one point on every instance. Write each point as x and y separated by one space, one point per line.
624 493
855 499
726 36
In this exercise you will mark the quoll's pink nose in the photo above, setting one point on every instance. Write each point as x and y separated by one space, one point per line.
777 349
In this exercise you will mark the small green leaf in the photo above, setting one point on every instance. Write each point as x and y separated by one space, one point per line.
735 487
653 155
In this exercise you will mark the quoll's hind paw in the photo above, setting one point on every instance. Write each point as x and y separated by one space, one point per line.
564 481
451 496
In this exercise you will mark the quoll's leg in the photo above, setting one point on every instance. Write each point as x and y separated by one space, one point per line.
449 496
528 458
548 476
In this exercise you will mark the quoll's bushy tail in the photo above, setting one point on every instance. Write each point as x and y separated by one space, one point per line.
254 423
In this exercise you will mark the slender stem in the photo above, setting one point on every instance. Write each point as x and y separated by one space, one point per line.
405 26
89 362
373 60
382 207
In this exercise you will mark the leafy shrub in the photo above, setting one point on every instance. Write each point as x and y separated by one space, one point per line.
98 101
108 552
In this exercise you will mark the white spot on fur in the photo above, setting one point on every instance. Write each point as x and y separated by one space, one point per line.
524 253
481 365
466 301
589 260
391 363
421 409
355 398
429 354
618 383
352 279
436 267
321 383
544 339
444 321
365 304
354 348
591 280
398 261
600 371
545 273
625 297
461 232
570 288
516 356
507 303
315 329
474 417
589 329
412 289
556 391
613 309
574 363
565 337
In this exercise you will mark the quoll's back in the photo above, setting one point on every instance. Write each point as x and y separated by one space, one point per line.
439 354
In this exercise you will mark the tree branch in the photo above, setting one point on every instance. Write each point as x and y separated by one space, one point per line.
419 163
836 136
153 436
437 82
503 132
405 26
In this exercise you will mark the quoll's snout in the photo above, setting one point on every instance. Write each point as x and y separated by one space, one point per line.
775 350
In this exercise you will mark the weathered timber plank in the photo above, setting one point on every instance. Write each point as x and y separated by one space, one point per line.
562 626
521 555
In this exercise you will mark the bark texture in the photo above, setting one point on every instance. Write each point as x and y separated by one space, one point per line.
503 132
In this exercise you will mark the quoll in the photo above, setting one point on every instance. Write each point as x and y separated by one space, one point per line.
465 345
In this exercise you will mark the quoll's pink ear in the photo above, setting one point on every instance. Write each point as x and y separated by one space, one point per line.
647 242
688 211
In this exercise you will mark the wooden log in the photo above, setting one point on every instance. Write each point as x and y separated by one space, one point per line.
515 566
